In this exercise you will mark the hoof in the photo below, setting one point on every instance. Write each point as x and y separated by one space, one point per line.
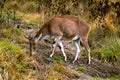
65 60
51 56
73 61
88 62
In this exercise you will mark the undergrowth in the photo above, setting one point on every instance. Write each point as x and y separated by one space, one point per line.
14 34
107 50
13 61
13 58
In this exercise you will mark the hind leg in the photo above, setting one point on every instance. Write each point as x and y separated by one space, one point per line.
85 43
77 44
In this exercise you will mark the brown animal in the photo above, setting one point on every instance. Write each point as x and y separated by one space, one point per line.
64 28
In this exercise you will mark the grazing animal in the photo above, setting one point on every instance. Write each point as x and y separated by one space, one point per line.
64 28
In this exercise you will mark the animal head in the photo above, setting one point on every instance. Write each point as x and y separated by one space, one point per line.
33 40
32 44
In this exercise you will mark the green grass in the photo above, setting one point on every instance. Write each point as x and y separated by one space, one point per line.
13 60
59 60
81 69
10 33
108 49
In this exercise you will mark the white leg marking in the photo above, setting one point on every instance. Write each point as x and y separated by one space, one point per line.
38 38
54 46
75 38
77 44
89 57
57 39
62 49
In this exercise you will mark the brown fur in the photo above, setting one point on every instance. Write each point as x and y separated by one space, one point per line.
67 27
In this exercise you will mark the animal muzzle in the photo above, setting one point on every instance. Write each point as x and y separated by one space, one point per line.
32 48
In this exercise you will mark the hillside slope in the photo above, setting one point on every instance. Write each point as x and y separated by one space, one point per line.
55 68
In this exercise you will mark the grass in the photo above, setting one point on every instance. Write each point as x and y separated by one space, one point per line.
54 75
112 78
108 50
81 69
105 43
13 34
21 17
65 71
13 60
31 18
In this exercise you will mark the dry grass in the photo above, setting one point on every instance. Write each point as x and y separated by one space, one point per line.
31 18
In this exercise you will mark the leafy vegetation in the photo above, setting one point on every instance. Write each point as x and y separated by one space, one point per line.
108 50
104 39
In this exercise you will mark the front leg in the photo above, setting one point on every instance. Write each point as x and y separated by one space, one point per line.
53 51
57 39
62 49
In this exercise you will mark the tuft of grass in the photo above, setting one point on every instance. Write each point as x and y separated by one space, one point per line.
50 41
54 75
81 69
56 58
63 70
59 60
